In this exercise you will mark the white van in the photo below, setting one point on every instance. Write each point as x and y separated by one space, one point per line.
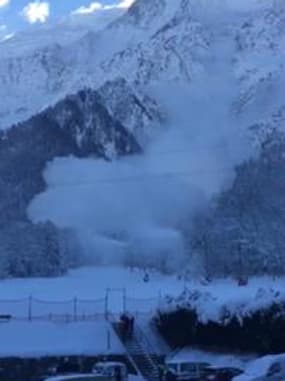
113 371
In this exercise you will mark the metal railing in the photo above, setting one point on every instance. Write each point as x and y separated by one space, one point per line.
75 309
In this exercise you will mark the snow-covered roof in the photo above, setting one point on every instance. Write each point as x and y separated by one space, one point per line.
39 339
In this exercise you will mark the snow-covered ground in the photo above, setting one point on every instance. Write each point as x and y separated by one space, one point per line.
83 293
91 283
224 298
64 336
89 286
39 339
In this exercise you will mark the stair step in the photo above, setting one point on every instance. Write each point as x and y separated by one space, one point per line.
145 362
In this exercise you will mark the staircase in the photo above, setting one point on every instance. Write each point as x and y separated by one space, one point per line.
141 353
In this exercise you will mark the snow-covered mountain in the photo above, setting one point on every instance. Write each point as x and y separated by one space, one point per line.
259 58
79 125
153 42
170 54
202 76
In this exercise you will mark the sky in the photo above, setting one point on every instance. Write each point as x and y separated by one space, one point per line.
16 15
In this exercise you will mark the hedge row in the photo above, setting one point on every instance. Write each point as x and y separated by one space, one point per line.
261 332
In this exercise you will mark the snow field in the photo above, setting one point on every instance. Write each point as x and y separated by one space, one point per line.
89 286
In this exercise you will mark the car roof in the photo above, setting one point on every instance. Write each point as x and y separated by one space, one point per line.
177 362
109 363
217 367
70 377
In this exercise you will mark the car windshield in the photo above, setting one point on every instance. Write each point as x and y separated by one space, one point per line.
188 367
106 371
173 367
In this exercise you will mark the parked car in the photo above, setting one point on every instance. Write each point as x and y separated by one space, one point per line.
214 373
102 371
187 371
110 371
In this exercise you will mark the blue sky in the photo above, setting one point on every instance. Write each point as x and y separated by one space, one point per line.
16 15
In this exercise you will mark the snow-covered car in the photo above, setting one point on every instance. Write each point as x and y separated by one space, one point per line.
73 377
276 372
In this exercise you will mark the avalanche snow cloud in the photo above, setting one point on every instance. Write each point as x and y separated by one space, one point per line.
136 209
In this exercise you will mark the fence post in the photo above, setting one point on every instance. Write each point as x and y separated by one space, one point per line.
75 309
106 303
124 300
159 299
108 340
30 308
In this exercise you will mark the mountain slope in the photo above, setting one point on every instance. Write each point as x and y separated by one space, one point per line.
79 125
152 43
209 73
164 51
259 59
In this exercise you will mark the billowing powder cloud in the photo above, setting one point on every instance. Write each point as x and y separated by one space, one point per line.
36 12
136 209
139 209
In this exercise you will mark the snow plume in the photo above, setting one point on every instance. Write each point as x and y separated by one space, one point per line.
124 211
135 210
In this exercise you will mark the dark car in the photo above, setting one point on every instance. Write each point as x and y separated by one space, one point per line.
221 373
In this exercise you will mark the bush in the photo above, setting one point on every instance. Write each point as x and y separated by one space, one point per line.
262 332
